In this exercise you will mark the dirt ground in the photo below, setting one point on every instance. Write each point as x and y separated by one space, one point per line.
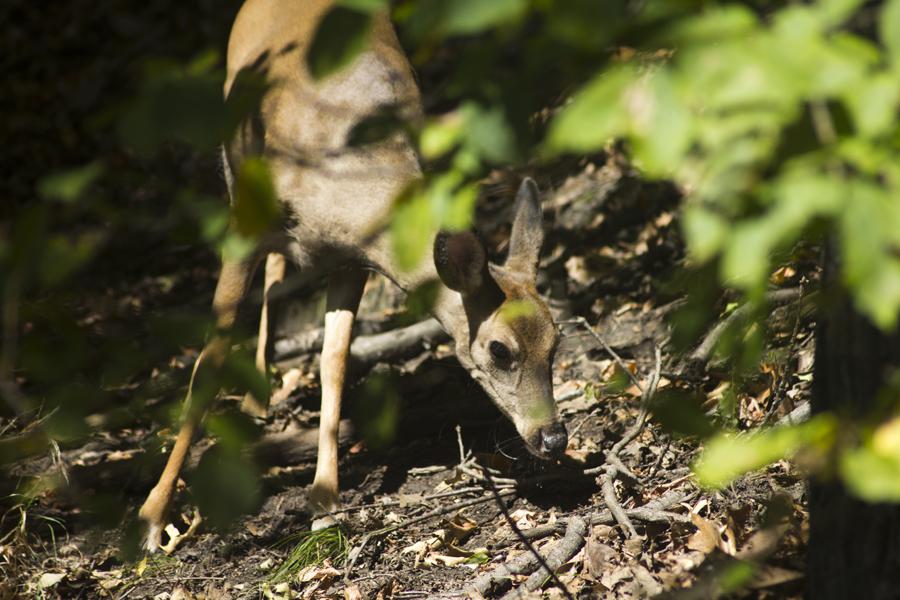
432 514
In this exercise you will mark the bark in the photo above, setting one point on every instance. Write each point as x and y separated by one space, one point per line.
854 546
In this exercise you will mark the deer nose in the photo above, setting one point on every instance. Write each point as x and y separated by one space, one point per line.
553 440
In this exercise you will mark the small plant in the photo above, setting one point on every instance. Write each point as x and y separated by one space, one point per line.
313 547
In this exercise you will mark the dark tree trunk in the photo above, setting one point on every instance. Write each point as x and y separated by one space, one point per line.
854 547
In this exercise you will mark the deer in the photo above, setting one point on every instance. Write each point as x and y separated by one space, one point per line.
332 199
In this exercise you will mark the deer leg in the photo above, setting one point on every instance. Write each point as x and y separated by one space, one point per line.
275 264
234 281
345 288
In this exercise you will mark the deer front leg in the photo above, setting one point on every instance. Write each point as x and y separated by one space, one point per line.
275 264
234 281
345 288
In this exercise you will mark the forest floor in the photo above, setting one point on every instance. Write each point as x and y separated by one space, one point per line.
433 513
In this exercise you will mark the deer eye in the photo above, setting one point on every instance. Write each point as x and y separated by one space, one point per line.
500 351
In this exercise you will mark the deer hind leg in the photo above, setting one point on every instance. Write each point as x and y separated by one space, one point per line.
234 281
275 266
345 288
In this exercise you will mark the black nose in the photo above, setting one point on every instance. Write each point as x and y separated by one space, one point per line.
553 440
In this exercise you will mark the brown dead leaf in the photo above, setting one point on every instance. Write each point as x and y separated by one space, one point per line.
736 523
448 482
387 590
598 555
352 592
181 593
707 538
213 592
459 530
760 544
616 576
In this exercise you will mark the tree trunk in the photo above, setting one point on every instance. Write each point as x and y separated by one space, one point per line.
854 546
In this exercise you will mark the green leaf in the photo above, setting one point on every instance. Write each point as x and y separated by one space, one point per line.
871 475
487 132
341 36
63 257
368 6
596 114
726 458
706 232
255 208
473 16
873 104
412 226
174 106
378 410
439 136
69 185
662 131
889 29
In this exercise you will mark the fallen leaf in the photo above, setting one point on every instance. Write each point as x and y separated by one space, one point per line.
598 555
410 499
352 592
48 580
706 539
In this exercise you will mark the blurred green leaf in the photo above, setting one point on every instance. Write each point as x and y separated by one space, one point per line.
472 16
705 231
680 413
439 136
70 185
873 104
63 257
516 309
412 224
377 410
889 29
726 457
369 6
488 133
870 475
256 208
225 485
596 114
173 105
341 36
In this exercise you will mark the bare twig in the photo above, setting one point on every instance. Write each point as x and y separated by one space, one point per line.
583 322
614 468
612 502
512 524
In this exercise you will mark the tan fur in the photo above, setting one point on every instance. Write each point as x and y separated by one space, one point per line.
336 202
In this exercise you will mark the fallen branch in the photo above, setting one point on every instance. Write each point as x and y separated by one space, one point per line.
570 544
366 350
285 448
694 363
652 512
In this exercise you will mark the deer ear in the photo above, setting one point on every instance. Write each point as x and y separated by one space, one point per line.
461 261
527 235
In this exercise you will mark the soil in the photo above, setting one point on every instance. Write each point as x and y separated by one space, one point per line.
613 256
